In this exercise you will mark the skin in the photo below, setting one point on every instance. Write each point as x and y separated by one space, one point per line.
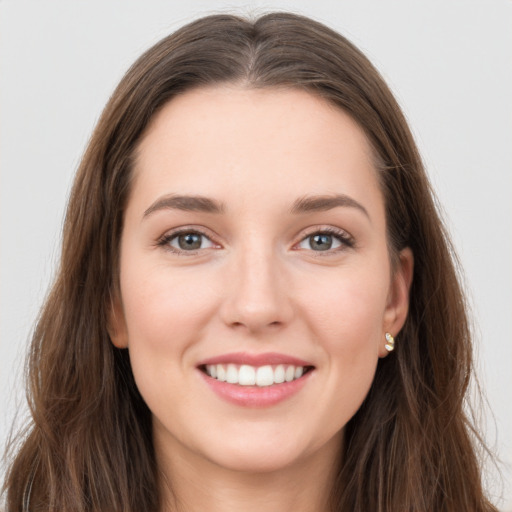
256 285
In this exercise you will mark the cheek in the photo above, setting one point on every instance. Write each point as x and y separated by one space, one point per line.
164 309
166 314
346 309
346 318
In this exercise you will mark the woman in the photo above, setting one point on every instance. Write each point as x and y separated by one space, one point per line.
257 305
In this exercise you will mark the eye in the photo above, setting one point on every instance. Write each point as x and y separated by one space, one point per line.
326 240
186 241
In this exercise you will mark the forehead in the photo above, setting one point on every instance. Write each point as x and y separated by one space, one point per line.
228 138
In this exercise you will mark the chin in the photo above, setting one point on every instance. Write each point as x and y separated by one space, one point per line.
270 453
255 460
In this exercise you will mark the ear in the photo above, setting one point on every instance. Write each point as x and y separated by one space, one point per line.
116 324
397 305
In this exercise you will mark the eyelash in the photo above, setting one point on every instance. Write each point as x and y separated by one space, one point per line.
346 241
165 240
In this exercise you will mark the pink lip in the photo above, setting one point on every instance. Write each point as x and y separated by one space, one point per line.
255 396
271 358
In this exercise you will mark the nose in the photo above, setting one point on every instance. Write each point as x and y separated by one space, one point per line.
257 295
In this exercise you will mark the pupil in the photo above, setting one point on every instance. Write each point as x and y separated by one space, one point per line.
189 241
321 242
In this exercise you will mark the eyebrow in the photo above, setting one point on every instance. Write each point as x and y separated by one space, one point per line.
185 203
323 203
304 204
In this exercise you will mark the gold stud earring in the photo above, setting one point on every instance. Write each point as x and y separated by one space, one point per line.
390 342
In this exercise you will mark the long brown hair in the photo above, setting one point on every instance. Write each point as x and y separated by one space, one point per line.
410 447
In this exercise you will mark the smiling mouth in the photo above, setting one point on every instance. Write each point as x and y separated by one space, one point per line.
260 376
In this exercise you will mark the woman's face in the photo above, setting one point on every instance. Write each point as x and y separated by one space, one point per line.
255 284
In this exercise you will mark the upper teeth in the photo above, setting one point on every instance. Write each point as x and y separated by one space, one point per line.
246 375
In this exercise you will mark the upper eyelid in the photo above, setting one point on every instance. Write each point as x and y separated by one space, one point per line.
331 230
189 229
324 229
175 232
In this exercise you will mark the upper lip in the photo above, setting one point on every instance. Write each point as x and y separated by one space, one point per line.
268 358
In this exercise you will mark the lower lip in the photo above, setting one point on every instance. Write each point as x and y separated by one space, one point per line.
256 396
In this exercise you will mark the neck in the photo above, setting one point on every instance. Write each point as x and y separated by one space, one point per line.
192 484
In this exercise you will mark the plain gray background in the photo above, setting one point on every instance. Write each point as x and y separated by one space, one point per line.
449 63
